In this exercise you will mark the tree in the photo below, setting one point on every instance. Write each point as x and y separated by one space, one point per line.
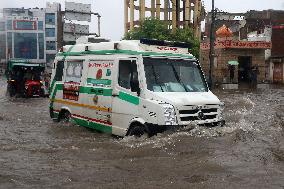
157 29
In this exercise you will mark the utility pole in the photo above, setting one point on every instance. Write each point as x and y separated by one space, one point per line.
212 41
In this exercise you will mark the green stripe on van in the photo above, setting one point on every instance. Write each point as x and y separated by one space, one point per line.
129 98
97 91
129 52
52 96
93 125
98 81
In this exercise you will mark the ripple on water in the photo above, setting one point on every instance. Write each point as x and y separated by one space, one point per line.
244 112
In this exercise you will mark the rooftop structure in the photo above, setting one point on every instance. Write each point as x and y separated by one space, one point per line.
176 13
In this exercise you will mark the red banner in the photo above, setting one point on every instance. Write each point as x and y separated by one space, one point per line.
71 91
234 44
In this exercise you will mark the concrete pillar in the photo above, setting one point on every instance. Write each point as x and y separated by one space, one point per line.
142 16
158 9
125 16
153 9
174 16
187 13
197 12
166 10
189 10
131 15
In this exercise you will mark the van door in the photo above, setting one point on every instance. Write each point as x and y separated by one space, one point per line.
71 97
125 95
56 84
97 95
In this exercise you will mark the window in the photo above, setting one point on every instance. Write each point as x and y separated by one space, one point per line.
74 71
50 32
2 46
2 26
127 73
9 41
41 45
25 45
40 25
59 71
50 18
50 45
9 25
181 75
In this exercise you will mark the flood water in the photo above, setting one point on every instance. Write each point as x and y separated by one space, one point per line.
248 152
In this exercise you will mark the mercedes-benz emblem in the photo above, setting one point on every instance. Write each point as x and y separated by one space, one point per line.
201 115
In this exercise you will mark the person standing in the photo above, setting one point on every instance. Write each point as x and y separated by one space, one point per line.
254 73
232 73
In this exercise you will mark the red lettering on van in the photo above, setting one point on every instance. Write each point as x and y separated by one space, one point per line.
167 48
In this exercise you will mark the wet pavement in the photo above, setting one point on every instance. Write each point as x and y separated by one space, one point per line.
248 152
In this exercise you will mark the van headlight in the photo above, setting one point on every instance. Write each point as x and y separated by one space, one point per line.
170 115
222 106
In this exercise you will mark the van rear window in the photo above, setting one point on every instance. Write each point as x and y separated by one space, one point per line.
74 71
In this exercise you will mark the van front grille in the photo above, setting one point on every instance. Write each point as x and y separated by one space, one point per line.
194 113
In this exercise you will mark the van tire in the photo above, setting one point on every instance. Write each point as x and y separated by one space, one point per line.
137 130
64 116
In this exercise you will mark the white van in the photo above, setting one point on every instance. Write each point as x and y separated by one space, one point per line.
131 87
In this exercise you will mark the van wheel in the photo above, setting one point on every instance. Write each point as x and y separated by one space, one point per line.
137 130
65 116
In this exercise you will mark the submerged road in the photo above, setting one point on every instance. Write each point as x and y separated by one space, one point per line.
35 152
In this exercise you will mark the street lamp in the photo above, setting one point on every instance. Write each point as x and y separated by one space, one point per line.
212 40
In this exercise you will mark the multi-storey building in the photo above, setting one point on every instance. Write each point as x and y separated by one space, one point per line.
53 30
32 34
24 34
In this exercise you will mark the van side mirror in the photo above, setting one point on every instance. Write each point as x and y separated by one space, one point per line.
134 83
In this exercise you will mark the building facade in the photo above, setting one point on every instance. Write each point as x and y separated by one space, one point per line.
22 35
53 31
252 30
30 34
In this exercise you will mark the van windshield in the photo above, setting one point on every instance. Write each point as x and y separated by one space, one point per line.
169 75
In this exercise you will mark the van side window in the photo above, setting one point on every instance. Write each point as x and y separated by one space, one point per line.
127 71
74 71
59 71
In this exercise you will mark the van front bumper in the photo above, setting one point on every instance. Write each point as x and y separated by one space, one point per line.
154 128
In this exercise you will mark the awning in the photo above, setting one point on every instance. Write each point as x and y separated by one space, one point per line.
12 65
233 63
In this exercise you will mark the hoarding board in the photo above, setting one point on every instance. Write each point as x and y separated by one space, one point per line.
71 37
78 7
77 16
75 28
78 11
232 44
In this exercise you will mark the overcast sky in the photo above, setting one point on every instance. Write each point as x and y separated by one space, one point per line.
112 10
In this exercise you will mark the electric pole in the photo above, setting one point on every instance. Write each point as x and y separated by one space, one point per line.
212 41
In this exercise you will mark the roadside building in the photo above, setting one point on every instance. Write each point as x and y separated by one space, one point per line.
236 61
53 31
254 30
276 61
31 34
24 33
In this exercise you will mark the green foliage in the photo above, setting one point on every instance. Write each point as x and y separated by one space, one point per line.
156 29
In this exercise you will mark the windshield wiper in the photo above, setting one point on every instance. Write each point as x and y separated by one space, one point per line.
156 79
178 78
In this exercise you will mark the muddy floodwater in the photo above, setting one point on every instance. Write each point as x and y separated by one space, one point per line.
248 152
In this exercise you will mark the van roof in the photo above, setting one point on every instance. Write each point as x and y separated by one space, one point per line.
130 47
